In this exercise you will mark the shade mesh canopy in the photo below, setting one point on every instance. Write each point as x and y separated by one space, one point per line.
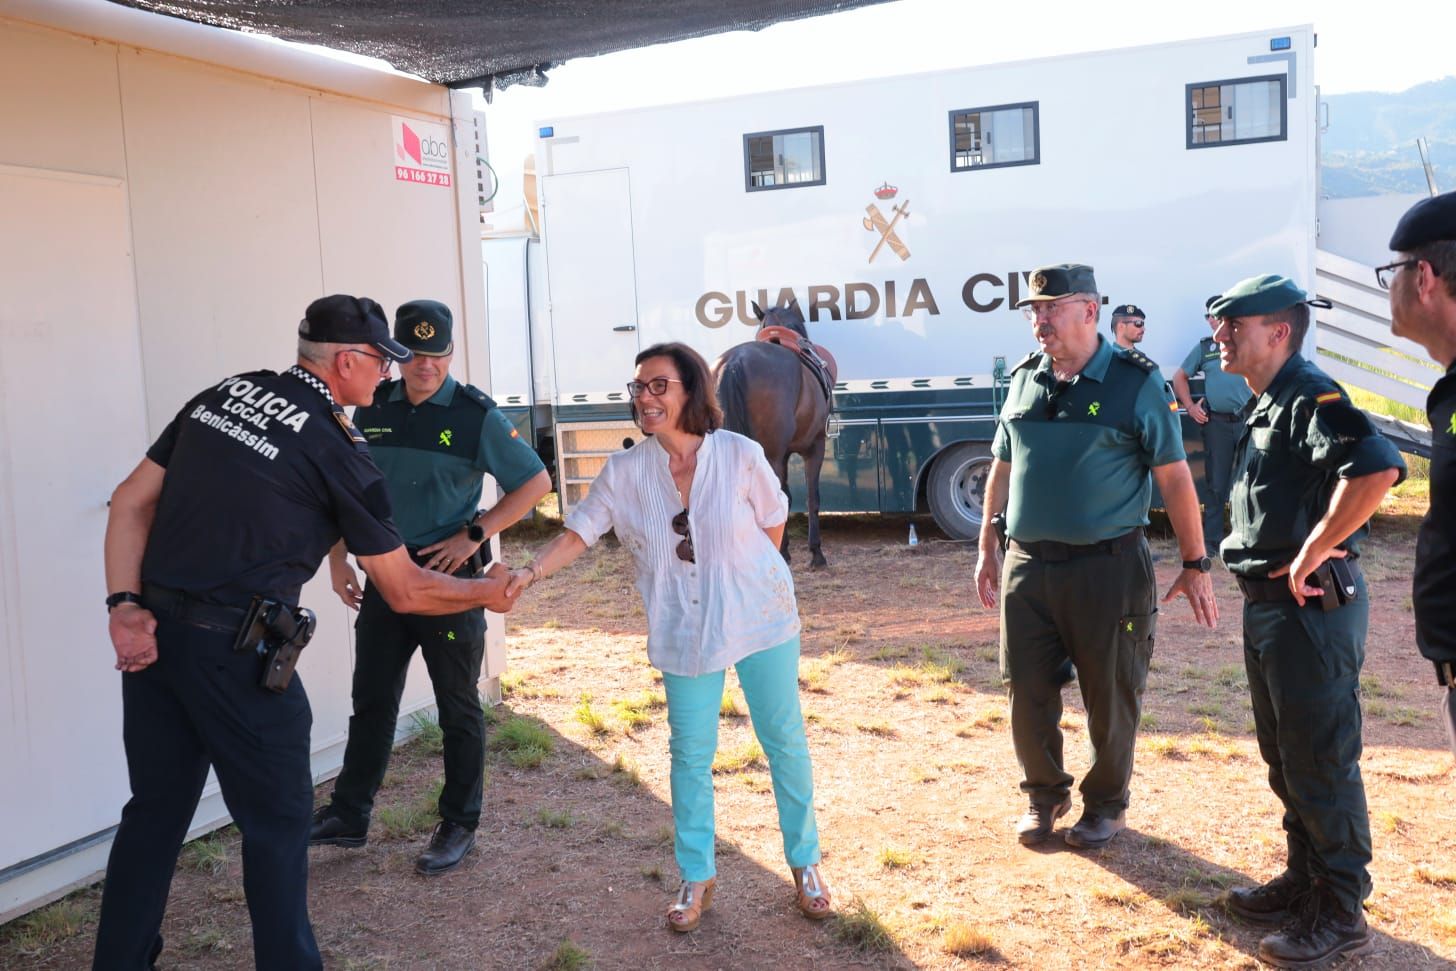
490 43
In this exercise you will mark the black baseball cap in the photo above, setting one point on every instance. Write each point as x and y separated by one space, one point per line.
1128 310
342 319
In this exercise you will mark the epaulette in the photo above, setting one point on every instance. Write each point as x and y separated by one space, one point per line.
1031 358
1137 357
1208 342
361 444
479 397
384 390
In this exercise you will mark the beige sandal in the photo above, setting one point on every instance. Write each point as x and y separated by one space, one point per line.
692 900
813 898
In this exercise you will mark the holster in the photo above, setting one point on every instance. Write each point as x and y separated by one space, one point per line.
278 635
998 523
1337 579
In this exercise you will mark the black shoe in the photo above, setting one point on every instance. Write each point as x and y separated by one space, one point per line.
447 848
1037 824
1319 930
1093 831
1268 903
329 829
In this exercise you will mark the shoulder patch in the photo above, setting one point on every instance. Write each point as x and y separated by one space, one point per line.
355 436
1032 358
479 397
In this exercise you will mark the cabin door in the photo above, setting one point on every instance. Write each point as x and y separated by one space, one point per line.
592 279
72 425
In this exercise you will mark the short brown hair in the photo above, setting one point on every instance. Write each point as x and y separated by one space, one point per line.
1297 317
701 414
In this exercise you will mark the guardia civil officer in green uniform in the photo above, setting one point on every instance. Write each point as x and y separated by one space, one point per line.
434 438
1422 285
1083 425
1220 418
1308 473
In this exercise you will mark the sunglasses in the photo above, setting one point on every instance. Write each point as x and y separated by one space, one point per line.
1057 392
685 547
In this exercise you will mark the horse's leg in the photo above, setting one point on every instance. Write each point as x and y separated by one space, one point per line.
780 465
813 462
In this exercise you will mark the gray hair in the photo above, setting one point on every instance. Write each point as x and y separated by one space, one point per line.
318 352
1096 299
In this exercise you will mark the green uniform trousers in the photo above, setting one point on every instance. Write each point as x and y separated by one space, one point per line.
1220 438
1304 679
1099 611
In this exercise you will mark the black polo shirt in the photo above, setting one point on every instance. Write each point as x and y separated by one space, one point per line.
1435 576
264 474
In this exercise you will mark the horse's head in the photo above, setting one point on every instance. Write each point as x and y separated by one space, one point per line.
789 316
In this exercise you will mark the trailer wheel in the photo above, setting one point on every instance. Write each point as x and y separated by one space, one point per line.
956 488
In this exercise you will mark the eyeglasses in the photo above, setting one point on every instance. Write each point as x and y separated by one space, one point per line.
1385 275
680 526
1057 391
1045 309
658 386
384 362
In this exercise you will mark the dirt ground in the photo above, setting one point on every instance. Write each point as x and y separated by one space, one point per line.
916 789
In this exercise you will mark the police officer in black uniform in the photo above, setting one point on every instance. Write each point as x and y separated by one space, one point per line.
1309 471
241 497
1422 285
434 438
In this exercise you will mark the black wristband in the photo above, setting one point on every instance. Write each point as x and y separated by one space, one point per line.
1202 564
124 597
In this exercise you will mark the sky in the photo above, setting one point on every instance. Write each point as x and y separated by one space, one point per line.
1362 47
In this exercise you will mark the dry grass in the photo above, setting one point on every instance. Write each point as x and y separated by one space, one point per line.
915 787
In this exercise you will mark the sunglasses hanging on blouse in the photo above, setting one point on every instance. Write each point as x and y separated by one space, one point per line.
680 526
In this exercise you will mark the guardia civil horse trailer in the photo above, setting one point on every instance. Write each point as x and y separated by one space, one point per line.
173 196
904 214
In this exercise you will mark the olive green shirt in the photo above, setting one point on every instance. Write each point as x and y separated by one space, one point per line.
1223 392
1080 451
1302 436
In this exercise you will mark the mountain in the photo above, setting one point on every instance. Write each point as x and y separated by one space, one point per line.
1369 147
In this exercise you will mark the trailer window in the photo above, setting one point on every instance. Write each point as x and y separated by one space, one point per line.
985 138
1237 111
786 159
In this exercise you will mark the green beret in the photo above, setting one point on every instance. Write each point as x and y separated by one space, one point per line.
1431 220
1260 295
424 327
1051 282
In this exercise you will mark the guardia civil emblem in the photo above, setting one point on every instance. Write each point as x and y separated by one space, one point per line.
424 330
1038 283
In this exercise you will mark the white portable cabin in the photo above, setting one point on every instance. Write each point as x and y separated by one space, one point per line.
171 197
1175 169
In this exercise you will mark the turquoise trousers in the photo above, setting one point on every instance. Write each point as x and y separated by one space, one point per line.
770 681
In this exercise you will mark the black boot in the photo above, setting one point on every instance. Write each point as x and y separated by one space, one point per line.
1320 929
447 848
1268 903
330 829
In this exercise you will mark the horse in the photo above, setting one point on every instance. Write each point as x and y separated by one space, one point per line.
767 392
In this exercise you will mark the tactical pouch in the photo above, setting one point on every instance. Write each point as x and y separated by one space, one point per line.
278 635
1337 579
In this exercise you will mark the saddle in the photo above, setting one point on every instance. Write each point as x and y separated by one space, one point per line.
817 359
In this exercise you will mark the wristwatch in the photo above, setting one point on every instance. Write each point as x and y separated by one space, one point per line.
474 530
124 597
1203 564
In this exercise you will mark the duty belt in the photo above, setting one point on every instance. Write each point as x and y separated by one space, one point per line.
187 609
1224 415
1276 589
1053 552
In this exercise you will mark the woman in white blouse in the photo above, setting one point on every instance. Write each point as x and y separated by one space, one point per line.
702 513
